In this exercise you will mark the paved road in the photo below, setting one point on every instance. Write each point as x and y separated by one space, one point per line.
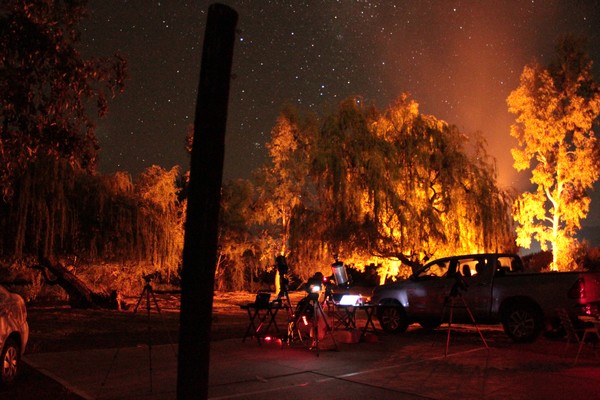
410 366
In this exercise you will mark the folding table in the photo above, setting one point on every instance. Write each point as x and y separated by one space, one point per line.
262 319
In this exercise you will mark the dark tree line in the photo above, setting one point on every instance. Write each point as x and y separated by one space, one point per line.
49 91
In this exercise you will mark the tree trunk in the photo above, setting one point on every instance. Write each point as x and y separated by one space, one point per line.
80 296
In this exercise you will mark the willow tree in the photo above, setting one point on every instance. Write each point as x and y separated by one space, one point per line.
556 107
57 209
48 89
61 211
327 222
163 218
444 197
400 185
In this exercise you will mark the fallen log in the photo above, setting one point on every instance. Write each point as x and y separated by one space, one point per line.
80 296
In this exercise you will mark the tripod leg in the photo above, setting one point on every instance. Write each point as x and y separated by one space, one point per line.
148 306
475 323
449 327
294 324
151 291
154 300
112 363
327 326
289 305
290 332
150 297
318 311
315 326
137 305
330 329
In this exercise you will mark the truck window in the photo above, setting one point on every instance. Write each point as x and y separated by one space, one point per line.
516 265
480 267
437 269
507 264
470 266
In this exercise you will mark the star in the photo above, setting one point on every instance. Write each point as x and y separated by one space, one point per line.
459 61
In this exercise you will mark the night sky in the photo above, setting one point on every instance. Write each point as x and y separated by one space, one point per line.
458 59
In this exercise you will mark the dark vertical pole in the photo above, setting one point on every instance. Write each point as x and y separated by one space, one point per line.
206 172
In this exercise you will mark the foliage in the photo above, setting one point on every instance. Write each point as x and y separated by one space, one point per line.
282 183
591 259
61 210
158 202
376 188
47 87
239 246
556 108
53 202
538 262
283 179
402 186
381 188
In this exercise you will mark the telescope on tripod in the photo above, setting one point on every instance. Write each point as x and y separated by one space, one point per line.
460 285
150 300
309 317
283 297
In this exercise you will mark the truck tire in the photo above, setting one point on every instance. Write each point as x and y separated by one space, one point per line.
522 322
392 318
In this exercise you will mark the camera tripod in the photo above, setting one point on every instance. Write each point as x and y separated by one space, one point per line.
310 304
149 296
283 298
450 303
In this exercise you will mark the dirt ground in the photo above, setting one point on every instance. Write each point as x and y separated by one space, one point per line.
55 328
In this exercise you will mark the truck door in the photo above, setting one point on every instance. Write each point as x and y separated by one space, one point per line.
477 274
429 290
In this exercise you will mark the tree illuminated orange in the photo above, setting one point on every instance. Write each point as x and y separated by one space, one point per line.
556 107
400 185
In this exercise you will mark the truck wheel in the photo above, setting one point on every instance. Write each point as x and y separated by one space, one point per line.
392 318
522 323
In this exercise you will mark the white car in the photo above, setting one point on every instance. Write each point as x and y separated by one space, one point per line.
14 333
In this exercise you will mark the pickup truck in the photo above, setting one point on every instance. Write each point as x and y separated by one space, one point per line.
494 288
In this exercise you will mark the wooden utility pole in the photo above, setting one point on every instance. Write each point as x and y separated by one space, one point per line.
206 173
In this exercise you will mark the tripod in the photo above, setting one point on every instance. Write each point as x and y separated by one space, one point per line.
310 305
148 294
450 302
284 299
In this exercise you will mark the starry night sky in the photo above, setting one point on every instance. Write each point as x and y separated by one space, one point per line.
458 59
